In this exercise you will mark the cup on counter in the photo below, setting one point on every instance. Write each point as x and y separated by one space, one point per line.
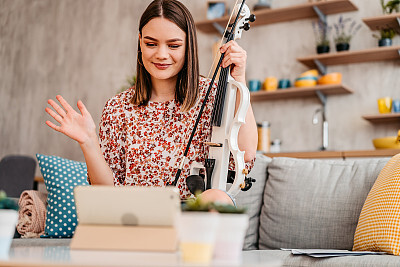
284 83
254 85
385 105
270 84
396 106
197 233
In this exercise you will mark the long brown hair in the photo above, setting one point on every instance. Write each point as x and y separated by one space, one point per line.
187 85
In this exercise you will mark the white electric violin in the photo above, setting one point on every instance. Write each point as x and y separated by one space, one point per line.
225 124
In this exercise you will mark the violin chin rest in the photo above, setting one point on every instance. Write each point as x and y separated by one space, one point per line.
195 183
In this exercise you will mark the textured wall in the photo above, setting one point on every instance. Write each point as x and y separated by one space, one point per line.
85 49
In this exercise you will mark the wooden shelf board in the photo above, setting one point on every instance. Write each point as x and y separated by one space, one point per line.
276 15
371 153
307 155
337 154
384 21
300 92
383 118
347 57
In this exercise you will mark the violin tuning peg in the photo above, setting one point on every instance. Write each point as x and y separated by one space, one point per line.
246 27
252 18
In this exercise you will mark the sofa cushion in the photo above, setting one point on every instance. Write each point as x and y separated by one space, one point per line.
379 224
314 203
252 200
60 177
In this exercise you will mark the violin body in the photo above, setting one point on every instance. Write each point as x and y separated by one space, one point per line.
227 135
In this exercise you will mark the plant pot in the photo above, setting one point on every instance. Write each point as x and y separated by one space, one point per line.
197 233
8 221
342 47
385 42
230 237
323 49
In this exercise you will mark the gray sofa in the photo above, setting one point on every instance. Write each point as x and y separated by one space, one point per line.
298 203
315 204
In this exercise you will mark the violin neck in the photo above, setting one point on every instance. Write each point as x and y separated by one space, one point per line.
219 102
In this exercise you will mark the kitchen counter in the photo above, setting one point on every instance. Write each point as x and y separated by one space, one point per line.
337 154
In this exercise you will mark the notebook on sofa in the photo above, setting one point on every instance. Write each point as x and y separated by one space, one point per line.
134 206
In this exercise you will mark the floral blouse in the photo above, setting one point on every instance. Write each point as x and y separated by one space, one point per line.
143 145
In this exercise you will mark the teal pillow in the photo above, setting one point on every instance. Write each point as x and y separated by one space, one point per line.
60 177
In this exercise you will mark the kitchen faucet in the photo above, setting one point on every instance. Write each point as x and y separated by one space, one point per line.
324 127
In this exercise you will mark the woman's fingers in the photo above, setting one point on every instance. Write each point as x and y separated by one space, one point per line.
64 103
82 108
231 46
53 126
234 54
57 108
235 59
57 117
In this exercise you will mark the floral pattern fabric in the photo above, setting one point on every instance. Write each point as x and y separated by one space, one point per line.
144 145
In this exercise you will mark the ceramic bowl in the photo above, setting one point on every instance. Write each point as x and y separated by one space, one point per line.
312 73
307 78
331 78
391 142
305 82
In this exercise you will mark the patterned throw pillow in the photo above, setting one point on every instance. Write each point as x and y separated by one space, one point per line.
378 228
60 177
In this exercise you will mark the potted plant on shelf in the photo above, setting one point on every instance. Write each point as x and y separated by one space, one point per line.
321 33
343 35
8 221
390 6
385 36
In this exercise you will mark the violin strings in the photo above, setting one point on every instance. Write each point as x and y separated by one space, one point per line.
222 38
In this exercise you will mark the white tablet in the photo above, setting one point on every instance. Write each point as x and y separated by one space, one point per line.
142 206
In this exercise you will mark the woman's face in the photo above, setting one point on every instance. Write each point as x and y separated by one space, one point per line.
163 46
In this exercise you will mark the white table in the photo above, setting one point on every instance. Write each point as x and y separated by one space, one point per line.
56 253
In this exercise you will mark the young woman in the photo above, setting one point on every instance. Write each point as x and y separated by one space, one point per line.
144 130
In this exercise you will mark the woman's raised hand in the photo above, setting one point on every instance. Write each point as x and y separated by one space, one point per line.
79 127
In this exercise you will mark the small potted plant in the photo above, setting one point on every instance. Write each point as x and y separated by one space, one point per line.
229 233
344 34
321 33
385 36
390 6
197 228
8 221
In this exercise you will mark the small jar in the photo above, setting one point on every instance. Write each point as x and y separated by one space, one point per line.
276 146
264 136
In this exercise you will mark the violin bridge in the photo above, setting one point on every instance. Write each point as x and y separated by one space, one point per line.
213 144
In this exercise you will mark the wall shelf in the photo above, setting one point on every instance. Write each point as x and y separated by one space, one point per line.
384 21
300 92
276 15
347 57
383 118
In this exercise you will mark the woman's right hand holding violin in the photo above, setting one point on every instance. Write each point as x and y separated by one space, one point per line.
78 126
